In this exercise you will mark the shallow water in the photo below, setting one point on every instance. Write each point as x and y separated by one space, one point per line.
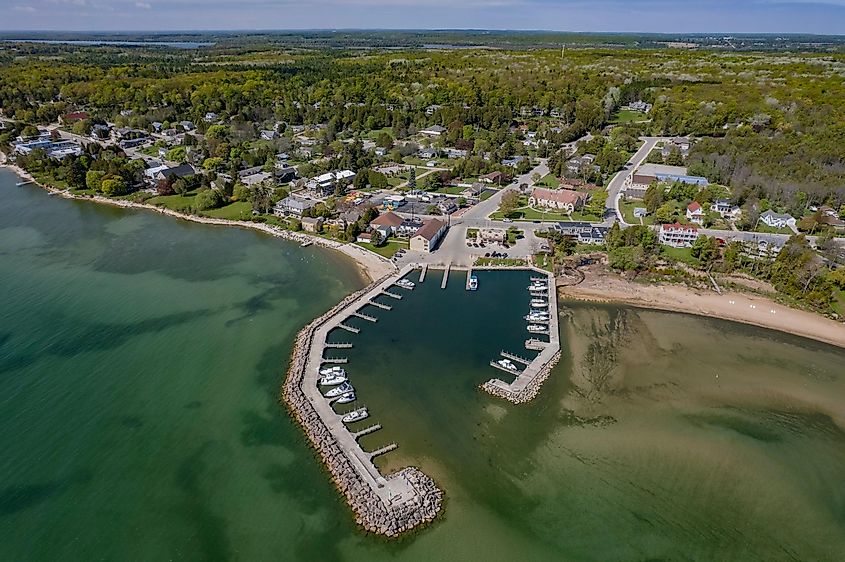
140 361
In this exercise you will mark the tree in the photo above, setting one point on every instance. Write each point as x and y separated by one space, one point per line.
509 202
665 213
384 140
240 192
113 185
412 178
180 187
94 179
208 199
706 249
177 154
376 238
76 175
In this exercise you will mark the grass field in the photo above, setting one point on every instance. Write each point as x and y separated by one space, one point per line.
387 250
175 202
549 180
627 209
683 255
239 210
628 116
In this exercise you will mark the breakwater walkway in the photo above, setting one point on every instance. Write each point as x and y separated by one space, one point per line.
387 505
527 384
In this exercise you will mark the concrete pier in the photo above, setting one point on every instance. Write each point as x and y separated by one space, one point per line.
385 505
383 450
423 272
445 276
349 328
391 295
528 382
338 345
516 358
335 360
469 275
535 344
363 316
381 306
367 431
508 371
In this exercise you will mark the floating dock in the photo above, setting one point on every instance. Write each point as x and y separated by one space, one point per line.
352 329
383 450
367 431
469 276
380 305
335 360
423 272
391 295
516 358
445 276
534 344
508 371
338 345
367 317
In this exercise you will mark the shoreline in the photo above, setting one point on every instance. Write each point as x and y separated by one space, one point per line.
370 265
754 310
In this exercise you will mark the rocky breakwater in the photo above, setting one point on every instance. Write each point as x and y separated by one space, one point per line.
529 392
376 512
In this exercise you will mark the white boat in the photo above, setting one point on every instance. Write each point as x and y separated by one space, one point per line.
539 303
537 317
535 329
344 388
333 379
355 415
473 283
405 284
346 398
333 371
506 364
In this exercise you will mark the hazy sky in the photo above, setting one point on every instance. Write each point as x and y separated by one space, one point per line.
671 16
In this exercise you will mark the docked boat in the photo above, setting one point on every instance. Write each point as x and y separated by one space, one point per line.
355 415
344 388
536 329
333 379
473 283
506 364
537 317
405 284
539 303
347 398
332 370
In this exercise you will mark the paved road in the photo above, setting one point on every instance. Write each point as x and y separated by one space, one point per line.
614 188
491 205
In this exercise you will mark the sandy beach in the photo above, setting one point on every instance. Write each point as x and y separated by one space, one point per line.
371 264
603 286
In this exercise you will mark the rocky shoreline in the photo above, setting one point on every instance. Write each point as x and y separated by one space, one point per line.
371 512
531 390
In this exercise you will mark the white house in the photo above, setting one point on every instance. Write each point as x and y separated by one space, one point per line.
563 199
678 235
695 213
725 209
427 237
433 131
775 220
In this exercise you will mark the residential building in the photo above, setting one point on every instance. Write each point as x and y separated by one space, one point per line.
447 206
572 228
268 134
74 117
775 220
595 235
176 172
293 206
433 131
678 235
497 178
388 221
513 162
408 227
210 117
312 224
640 212
563 199
725 209
426 153
695 213
646 174
426 238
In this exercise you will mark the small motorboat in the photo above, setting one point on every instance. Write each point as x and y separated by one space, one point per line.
346 398
332 370
333 379
539 303
344 388
355 415
535 329
506 364
473 283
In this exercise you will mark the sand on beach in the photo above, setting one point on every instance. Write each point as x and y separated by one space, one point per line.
603 286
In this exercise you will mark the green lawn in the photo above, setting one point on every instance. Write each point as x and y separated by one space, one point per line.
450 190
486 195
528 214
239 210
174 202
761 227
549 180
49 179
683 255
508 262
388 249
838 304
628 116
627 209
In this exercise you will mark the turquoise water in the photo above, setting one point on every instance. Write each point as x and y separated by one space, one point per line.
140 363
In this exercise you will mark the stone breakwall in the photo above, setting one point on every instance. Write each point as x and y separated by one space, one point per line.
530 391
371 512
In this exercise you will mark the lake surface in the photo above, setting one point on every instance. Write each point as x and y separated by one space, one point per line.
190 45
140 363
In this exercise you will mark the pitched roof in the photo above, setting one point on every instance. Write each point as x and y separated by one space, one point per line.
565 196
694 207
181 171
678 226
429 229
387 219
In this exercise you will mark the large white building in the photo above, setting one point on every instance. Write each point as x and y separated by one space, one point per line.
427 237
678 235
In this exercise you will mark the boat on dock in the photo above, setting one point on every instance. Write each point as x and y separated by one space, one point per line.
537 329
473 283
344 388
332 370
347 398
506 364
534 317
539 303
355 415
405 284
333 379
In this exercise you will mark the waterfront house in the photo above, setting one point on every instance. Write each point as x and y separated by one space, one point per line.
595 235
428 236
312 224
408 227
176 172
566 200
775 220
292 206
678 235
695 213
389 222
366 237
572 228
